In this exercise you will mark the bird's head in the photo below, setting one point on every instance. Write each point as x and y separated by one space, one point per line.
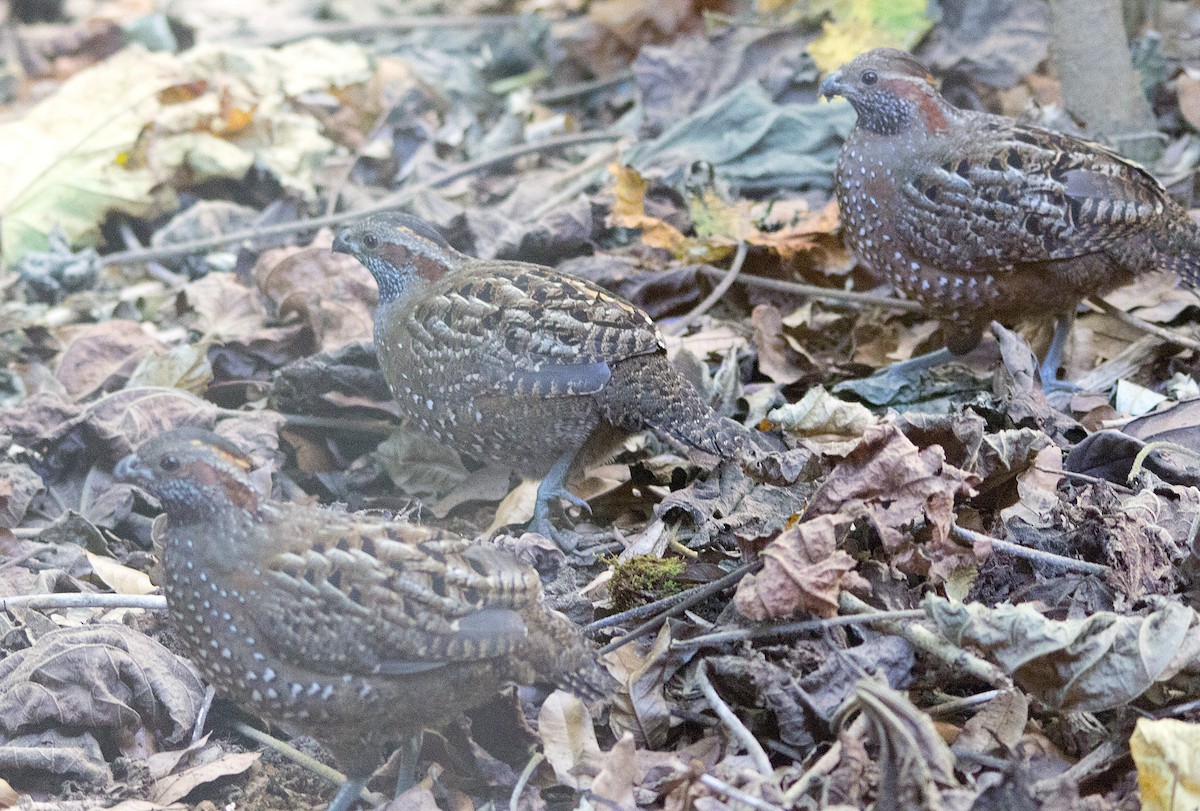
194 474
398 249
890 90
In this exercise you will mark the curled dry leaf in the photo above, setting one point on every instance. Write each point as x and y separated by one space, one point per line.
777 358
641 707
915 765
128 692
803 570
102 356
332 293
898 485
997 727
819 413
568 738
175 787
1168 766
18 485
1079 665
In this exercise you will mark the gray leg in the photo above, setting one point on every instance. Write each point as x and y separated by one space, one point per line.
1054 355
410 758
554 486
348 793
920 363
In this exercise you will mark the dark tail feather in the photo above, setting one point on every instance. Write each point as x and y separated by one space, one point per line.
557 652
1180 250
648 392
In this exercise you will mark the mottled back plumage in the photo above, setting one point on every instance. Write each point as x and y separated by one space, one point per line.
355 629
520 364
979 217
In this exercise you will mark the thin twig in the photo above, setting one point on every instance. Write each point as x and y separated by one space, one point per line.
792 628
681 602
523 780
568 92
718 785
960 704
712 298
1083 477
735 725
391 25
391 202
336 424
957 659
307 761
1143 326
1018 551
153 602
210 693
812 291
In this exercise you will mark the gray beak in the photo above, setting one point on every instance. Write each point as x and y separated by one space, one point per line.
341 243
129 469
831 86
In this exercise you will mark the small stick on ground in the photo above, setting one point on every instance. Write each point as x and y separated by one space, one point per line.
732 722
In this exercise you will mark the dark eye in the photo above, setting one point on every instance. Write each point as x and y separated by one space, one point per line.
371 241
870 77
169 463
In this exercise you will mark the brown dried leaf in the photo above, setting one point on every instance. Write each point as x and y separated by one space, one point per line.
102 356
116 683
226 310
997 727
18 485
915 765
121 579
641 708
333 294
128 418
629 211
803 570
776 357
1079 665
619 774
614 31
789 226
175 787
898 485
568 739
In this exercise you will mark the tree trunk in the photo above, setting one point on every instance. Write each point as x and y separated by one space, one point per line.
1099 85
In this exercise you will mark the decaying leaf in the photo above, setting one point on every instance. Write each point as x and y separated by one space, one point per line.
915 765
1082 665
900 486
568 739
1167 754
803 571
176 786
128 692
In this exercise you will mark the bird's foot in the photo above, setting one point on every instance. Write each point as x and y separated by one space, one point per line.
550 489
1054 386
348 793
410 757
568 540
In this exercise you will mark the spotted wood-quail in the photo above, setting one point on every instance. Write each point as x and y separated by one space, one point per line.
522 365
357 630
982 218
